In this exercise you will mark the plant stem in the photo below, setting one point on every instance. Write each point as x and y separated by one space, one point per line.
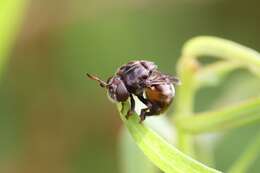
230 117
184 102
221 48
193 77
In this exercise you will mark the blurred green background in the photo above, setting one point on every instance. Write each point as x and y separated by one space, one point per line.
52 119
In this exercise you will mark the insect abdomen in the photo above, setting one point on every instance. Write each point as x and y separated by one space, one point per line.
160 96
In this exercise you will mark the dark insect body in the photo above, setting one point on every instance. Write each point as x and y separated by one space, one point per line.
142 79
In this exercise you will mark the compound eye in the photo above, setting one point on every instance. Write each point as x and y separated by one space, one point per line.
122 93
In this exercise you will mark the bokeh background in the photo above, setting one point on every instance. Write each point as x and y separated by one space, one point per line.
52 119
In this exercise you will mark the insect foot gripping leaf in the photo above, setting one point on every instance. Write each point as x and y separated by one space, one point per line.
165 156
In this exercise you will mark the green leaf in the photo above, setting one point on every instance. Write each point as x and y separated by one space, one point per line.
226 118
132 159
11 15
162 154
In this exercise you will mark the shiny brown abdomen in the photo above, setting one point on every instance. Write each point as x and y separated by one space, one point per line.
160 96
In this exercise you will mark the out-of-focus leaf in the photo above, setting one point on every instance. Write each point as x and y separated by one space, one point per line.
11 15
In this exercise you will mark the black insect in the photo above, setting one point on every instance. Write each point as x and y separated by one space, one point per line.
142 79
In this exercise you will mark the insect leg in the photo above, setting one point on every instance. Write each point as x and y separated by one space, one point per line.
122 107
143 114
145 101
132 109
150 111
144 111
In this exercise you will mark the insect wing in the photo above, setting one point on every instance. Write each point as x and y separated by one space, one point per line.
158 78
174 80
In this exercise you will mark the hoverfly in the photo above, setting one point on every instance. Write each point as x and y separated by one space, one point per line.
142 79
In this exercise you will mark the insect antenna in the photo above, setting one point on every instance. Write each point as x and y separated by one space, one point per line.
101 82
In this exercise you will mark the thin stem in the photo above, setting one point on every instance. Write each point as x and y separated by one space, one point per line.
226 118
193 77
184 103
187 68
221 48
248 157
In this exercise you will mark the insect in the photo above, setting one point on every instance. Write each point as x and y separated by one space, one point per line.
142 79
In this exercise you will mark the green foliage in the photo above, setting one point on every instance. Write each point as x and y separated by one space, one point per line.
132 160
195 76
11 14
161 153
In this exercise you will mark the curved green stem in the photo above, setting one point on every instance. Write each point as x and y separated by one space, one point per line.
194 77
230 117
184 102
221 48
